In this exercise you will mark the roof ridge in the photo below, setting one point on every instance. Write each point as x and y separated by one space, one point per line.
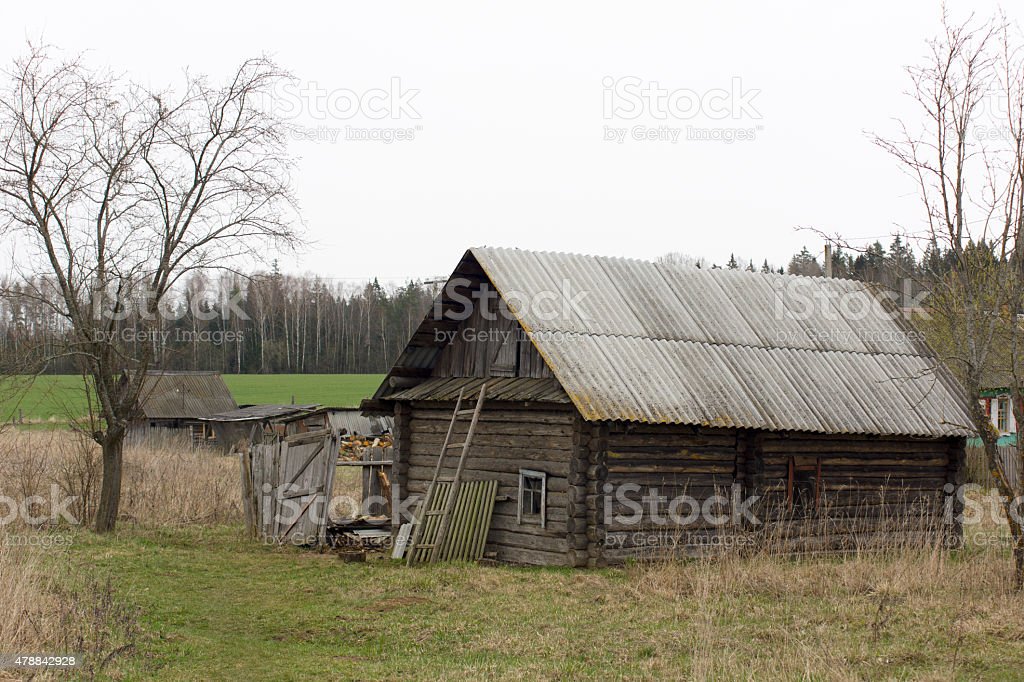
712 272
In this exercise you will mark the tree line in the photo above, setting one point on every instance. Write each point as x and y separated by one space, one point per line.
264 323
272 323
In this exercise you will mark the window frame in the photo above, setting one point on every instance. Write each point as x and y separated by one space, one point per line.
791 481
522 518
1002 414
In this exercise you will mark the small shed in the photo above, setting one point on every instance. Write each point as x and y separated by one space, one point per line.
243 425
622 394
173 405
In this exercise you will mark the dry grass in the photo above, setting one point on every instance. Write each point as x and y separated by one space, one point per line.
45 606
22 595
768 617
885 607
162 486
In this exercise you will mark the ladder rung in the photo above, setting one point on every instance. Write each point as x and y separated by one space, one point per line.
445 479
464 413
457 445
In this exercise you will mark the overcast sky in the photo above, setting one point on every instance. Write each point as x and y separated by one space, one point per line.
507 114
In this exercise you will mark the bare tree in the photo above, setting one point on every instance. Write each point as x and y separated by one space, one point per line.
113 192
682 260
966 158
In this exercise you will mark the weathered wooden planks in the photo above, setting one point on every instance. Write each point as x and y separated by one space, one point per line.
507 438
470 525
868 476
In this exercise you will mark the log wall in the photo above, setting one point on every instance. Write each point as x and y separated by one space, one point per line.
869 488
648 467
509 437
600 473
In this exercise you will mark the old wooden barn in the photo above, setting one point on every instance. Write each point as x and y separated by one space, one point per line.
616 385
172 406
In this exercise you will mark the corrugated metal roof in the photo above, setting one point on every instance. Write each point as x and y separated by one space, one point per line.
184 395
638 341
511 389
353 422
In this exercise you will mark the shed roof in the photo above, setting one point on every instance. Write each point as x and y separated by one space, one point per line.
352 421
184 395
637 341
512 389
261 412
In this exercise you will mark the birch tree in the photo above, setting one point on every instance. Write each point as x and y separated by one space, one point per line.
965 155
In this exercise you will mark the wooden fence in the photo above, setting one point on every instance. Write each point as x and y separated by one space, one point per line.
977 465
286 487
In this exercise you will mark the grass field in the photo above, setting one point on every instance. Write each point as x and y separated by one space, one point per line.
179 593
53 398
215 606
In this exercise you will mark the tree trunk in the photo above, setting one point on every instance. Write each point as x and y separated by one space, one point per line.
1018 564
110 492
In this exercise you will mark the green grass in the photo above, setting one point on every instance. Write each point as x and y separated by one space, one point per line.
45 398
218 607
52 398
215 606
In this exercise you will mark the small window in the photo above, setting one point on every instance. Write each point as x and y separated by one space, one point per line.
803 486
532 496
1003 415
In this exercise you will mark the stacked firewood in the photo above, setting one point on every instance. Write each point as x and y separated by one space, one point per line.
351 447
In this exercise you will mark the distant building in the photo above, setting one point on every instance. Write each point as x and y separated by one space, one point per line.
350 421
173 405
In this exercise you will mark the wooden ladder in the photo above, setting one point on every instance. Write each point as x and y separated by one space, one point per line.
453 491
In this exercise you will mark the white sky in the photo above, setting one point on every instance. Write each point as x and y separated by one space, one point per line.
511 116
